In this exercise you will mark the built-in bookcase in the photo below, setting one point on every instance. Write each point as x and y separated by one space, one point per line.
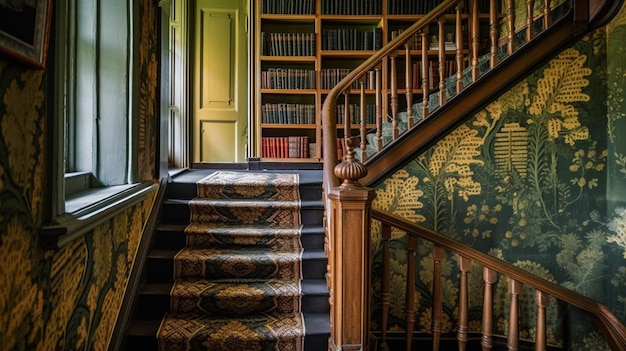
305 47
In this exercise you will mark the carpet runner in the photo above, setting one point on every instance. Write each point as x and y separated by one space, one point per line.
238 280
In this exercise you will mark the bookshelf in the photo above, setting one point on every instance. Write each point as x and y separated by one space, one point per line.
306 46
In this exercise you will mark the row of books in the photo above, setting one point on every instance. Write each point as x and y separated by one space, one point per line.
352 7
357 7
288 44
286 113
403 7
288 7
287 147
354 112
351 39
288 78
332 76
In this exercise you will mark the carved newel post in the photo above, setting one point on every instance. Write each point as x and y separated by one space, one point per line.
349 256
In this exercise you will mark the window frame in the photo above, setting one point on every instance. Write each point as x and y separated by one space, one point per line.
98 181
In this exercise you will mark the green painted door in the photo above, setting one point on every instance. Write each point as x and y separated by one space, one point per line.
220 112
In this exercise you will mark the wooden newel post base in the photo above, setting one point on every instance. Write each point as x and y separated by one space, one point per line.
349 258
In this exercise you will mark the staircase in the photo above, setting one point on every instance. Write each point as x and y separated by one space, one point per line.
230 297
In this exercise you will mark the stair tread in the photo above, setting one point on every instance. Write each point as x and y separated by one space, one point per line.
309 287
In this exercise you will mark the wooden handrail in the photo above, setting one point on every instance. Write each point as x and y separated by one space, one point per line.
329 108
614 330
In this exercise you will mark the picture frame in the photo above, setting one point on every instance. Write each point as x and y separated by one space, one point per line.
25 30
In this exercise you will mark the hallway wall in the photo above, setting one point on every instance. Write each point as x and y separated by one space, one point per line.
537 178
65 299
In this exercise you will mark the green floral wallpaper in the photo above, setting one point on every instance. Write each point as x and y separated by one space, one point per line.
537 178
66 299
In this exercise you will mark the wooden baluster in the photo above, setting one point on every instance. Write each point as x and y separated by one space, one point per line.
442 60
464 267
386 235
547 13
475 30
515 288
489 277
347 121
363 117
459 47
510 16
410 290
437 297
379 112
494 32
530 5
394 97
543 300
409 86
425 80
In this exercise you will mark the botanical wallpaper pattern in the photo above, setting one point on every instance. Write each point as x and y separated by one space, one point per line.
65 299
536 178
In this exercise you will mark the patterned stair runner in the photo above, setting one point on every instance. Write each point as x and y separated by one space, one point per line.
238 280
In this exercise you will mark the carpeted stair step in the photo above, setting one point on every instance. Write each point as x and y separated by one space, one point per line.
240 265
233 262
172 236
177 211
154 299
235 297
280 331
160 268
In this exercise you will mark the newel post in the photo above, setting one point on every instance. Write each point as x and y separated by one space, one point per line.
349 257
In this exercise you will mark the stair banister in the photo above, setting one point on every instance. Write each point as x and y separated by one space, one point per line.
347 211
612 328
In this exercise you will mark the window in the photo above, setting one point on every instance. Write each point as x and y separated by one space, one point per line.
94 138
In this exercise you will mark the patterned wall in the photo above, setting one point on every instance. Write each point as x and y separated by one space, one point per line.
537 178
66 299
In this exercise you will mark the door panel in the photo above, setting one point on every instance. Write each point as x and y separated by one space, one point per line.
220 82
214 135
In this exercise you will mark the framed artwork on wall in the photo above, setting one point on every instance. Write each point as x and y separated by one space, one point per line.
24 30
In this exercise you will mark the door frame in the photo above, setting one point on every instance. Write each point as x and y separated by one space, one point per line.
177 98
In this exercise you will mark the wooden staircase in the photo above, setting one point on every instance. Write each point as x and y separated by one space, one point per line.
152 301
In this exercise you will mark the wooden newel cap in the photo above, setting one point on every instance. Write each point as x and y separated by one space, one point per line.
350 170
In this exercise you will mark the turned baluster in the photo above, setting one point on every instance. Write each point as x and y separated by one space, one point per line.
510 16
530 5
409 85
543 300
347 121
547 20
425 79
489 277
379 112
464 267
459 47
438 253
410 290
442 60
494 32
386 235
515 288
394 98
475 33
363 117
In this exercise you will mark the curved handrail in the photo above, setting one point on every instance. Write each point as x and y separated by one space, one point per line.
613 328
329 126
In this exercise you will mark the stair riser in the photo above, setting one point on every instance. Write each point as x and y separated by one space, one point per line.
161 270
153 306
175 240
178 213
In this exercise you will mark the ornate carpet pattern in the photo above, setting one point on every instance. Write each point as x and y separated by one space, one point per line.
238 280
